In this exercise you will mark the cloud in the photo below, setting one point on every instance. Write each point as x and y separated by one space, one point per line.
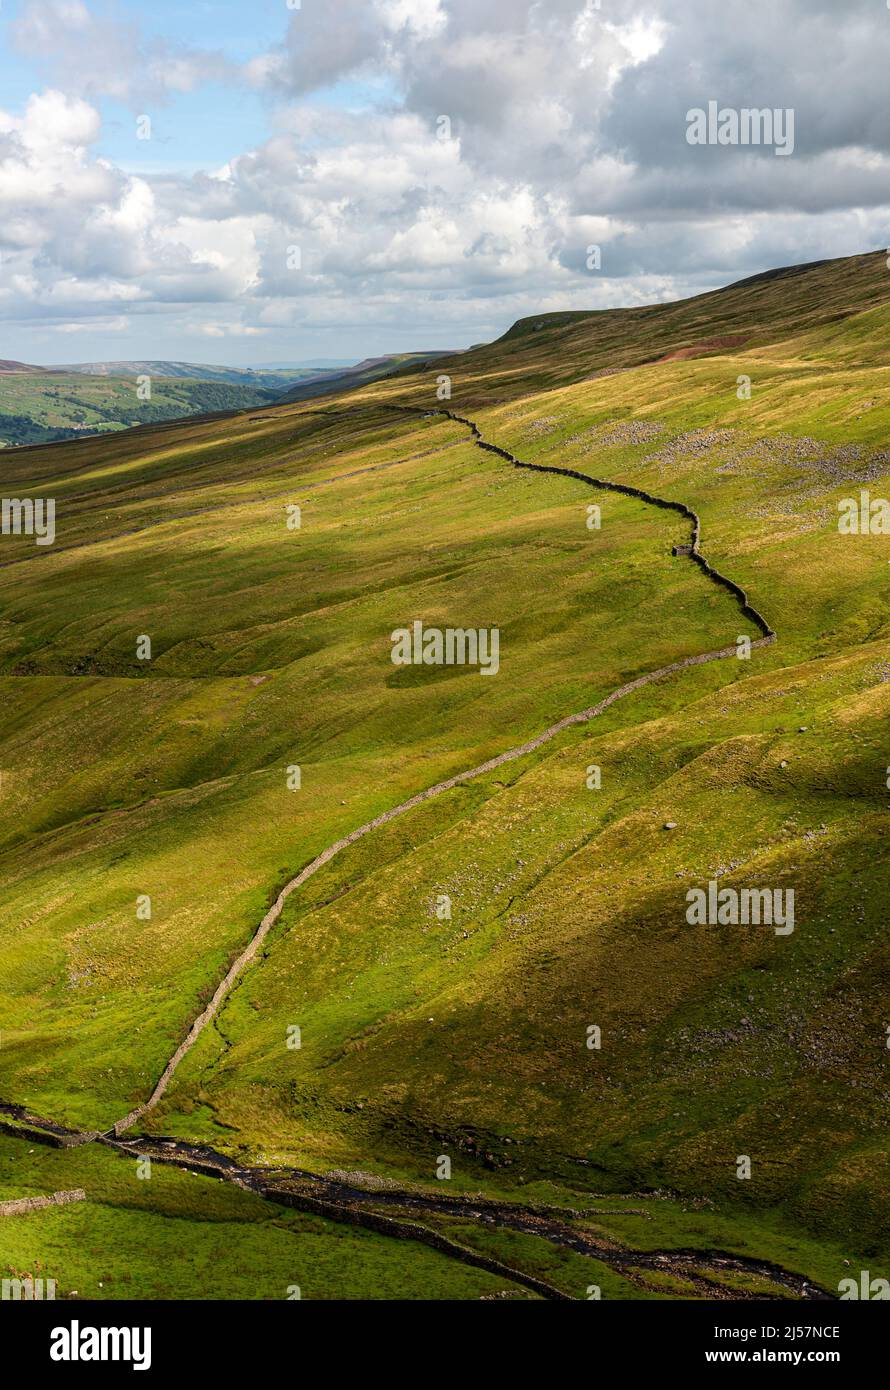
118 324
96 55
565 126
320 48
228 330
76 232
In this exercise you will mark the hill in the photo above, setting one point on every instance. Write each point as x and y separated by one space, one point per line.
269 378
554 349
364 372
461 932
9 368
41 406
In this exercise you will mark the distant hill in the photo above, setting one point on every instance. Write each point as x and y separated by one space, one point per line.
265 378
314 364
8 368
43 406
370 369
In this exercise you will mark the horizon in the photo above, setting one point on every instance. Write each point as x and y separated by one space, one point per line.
205 362
324 363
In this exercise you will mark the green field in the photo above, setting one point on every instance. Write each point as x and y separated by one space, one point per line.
47 407
464 1036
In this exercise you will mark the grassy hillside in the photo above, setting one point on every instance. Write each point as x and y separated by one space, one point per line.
466 1036
554 349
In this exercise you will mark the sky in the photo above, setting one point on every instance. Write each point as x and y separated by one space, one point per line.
217 181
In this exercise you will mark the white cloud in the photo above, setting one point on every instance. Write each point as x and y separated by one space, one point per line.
424 18
227 330
568 128
107 325
100 55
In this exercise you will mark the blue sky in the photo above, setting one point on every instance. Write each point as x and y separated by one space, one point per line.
300 198
193 130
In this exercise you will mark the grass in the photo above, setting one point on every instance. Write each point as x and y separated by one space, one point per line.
467 1036
126 1241
181 763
